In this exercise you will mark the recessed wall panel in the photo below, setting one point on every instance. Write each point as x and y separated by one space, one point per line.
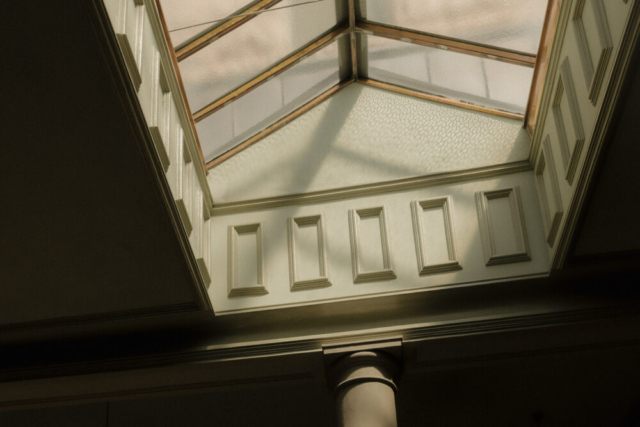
434 236
568 121
370 246
549 191
502 227
308 253
593 37
245 272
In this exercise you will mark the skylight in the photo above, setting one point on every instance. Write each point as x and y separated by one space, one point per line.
250 67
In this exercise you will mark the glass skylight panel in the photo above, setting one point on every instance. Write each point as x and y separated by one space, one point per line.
480 81
260 108
250 49
186 13
509 24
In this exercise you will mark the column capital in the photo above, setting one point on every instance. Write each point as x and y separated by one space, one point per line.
354 363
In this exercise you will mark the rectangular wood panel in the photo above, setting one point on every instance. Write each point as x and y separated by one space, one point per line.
568 121
594 43
128 31
434 236
308 266
502 227
370 248
161 113
549 191
245 261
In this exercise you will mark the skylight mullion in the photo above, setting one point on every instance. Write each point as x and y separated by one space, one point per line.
468 48
222 29
270 73
354 43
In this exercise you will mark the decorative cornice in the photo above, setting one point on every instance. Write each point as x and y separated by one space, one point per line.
280 347
371 189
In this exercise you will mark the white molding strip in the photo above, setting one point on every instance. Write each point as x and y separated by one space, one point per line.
549 196
323 278
492 257
374 188
417 208
260 288
593 78
386 273
565 87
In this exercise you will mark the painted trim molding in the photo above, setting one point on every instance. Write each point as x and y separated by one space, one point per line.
566 87
593 77
179 184
323 278
492 257
386 273
546 164
260 288
417 208
203 239
370 189
160 111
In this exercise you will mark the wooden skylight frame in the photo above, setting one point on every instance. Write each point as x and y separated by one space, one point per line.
354 26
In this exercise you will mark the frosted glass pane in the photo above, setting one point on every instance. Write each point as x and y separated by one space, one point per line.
185 13
454 75
252 48
509 24
265 105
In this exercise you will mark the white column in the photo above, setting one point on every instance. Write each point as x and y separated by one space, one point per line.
364 387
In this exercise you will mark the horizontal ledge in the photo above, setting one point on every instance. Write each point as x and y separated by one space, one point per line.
374 188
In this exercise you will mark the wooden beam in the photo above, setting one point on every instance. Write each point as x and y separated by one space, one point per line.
277 125
436 98
352 30
546 40
270 73
448 44
223 29
176 70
